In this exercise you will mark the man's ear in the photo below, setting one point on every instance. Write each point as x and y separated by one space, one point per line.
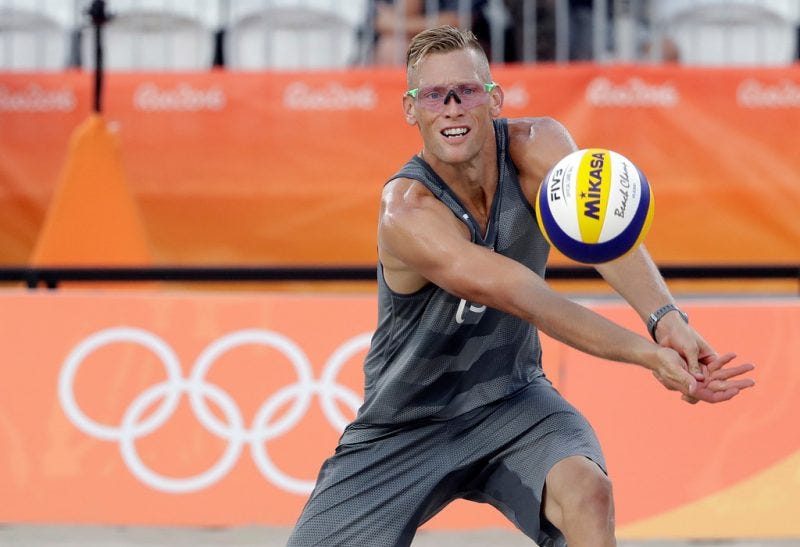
496 98
409 110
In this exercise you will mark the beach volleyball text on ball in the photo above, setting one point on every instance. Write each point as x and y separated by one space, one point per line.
594 205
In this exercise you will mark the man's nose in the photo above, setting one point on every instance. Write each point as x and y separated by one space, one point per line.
452 94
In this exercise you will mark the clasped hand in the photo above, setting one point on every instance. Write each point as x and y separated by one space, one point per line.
697 371
714 384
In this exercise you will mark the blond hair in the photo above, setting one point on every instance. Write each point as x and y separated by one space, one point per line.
443 39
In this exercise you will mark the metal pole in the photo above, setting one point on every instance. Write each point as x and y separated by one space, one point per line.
624 30
562 31
600 20
99 16
529 34
400 32
465 14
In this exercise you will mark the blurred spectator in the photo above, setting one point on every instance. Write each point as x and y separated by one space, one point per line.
648 44
577 21
724 32
666 50
580 28
390 45
544 20
579 25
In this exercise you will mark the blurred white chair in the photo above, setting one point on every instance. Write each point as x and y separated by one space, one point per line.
155 35
32 39
293 34
732 32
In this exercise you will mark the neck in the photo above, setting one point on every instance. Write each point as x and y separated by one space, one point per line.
474 181
472 171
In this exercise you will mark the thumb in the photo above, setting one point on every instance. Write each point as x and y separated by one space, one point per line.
690 400
693 363
691 386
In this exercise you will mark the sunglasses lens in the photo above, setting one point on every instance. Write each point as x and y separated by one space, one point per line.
468 95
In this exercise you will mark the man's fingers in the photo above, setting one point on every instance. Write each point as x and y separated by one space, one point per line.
718 391
719 388
720 396
727 373
716 362
740 384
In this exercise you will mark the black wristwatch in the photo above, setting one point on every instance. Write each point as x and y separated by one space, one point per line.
655 317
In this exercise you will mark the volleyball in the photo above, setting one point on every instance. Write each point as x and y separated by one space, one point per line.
594 205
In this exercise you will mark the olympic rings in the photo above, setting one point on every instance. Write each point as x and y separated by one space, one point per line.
198 389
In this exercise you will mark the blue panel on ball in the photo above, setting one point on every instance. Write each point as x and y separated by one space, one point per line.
546 220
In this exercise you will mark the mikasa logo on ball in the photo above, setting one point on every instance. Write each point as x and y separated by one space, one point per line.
594 205
592 192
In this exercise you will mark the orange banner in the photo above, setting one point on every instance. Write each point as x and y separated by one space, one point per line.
218 410
287 167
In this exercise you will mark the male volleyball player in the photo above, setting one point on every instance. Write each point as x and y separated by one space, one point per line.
457 405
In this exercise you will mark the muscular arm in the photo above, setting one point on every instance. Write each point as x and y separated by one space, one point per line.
637 279
418 236
421 241
537 144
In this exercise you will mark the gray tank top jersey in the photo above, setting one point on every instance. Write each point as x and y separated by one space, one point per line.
434 356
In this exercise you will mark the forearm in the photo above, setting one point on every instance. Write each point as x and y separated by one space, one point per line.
587 331
484 277
524 294
637 279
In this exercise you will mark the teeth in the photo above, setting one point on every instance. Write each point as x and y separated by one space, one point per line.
455 132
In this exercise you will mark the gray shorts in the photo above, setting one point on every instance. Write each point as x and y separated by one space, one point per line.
377 493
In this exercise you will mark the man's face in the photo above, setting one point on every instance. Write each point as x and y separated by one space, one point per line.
452 107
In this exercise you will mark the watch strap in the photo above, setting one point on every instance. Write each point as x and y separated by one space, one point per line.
655 317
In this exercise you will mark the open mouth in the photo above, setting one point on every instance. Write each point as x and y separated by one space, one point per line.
454 132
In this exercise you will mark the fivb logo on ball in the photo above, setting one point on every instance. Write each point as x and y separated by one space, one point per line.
594 205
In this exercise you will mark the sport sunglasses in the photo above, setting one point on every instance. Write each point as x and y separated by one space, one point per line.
436 97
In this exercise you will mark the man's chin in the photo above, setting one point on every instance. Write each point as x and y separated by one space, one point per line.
452 155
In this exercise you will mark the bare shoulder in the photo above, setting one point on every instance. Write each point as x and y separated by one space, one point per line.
538 126
536 144
541 140
408 206
402 199
416 234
